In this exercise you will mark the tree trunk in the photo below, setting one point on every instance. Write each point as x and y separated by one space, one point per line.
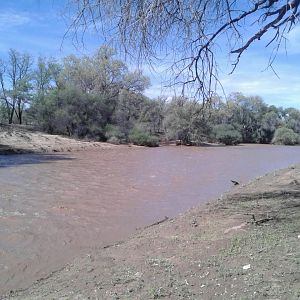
20 117
20 112
11 116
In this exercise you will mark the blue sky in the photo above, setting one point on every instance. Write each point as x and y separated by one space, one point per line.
37 26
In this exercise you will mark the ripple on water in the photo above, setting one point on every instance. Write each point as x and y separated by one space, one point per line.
57 206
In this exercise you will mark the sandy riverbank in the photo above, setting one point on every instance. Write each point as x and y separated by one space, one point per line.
23 139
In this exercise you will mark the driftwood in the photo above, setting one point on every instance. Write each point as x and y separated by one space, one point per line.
260 221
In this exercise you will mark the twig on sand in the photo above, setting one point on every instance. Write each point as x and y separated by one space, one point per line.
113 245
158 222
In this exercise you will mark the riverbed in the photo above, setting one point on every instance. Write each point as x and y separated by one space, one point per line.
55 207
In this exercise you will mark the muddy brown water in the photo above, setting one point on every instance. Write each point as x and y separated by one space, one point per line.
54 207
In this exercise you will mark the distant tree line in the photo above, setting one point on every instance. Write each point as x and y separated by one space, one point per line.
97 97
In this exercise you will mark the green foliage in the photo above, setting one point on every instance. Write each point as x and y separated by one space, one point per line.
186 120
101 73
128 109
141 138
91 96
3 113
152 115
114 134
270 121
70 112
227 134
16 84
285 136
246 113
113 140
292 119
97 97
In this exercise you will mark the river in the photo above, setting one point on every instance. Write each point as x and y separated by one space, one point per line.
54 207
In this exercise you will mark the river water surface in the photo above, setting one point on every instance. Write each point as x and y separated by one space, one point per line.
54 207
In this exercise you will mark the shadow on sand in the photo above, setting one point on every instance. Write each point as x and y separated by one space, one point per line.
13 160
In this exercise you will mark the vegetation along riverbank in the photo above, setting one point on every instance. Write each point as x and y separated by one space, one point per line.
97 97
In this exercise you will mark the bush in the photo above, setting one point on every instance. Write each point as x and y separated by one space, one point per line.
113 140
3 114
227 134
285 136
143 139
114 134
71 112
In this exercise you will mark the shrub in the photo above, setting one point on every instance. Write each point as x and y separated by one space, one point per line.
71 112
113 140
3 113
285 136
227 134
114 132
143 139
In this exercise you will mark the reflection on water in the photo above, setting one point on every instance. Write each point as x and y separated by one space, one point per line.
54 207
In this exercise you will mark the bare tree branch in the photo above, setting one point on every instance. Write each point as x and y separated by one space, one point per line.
188 32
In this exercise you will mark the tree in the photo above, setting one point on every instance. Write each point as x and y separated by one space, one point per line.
270 122
71 112
94 96
189 31
185 120
246 113
45 76
292 119
15 80
128 109
99 73
227 134
152 115
285 136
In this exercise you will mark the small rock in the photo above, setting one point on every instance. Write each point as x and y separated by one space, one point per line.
246 267
195 223
91 269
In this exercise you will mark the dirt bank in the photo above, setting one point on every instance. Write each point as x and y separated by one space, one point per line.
24 139
243 246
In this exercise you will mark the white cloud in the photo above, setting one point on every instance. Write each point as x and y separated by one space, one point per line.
254 77
11 19
158 90
250 80
283 91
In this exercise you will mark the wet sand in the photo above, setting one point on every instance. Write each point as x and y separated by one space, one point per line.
55 207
